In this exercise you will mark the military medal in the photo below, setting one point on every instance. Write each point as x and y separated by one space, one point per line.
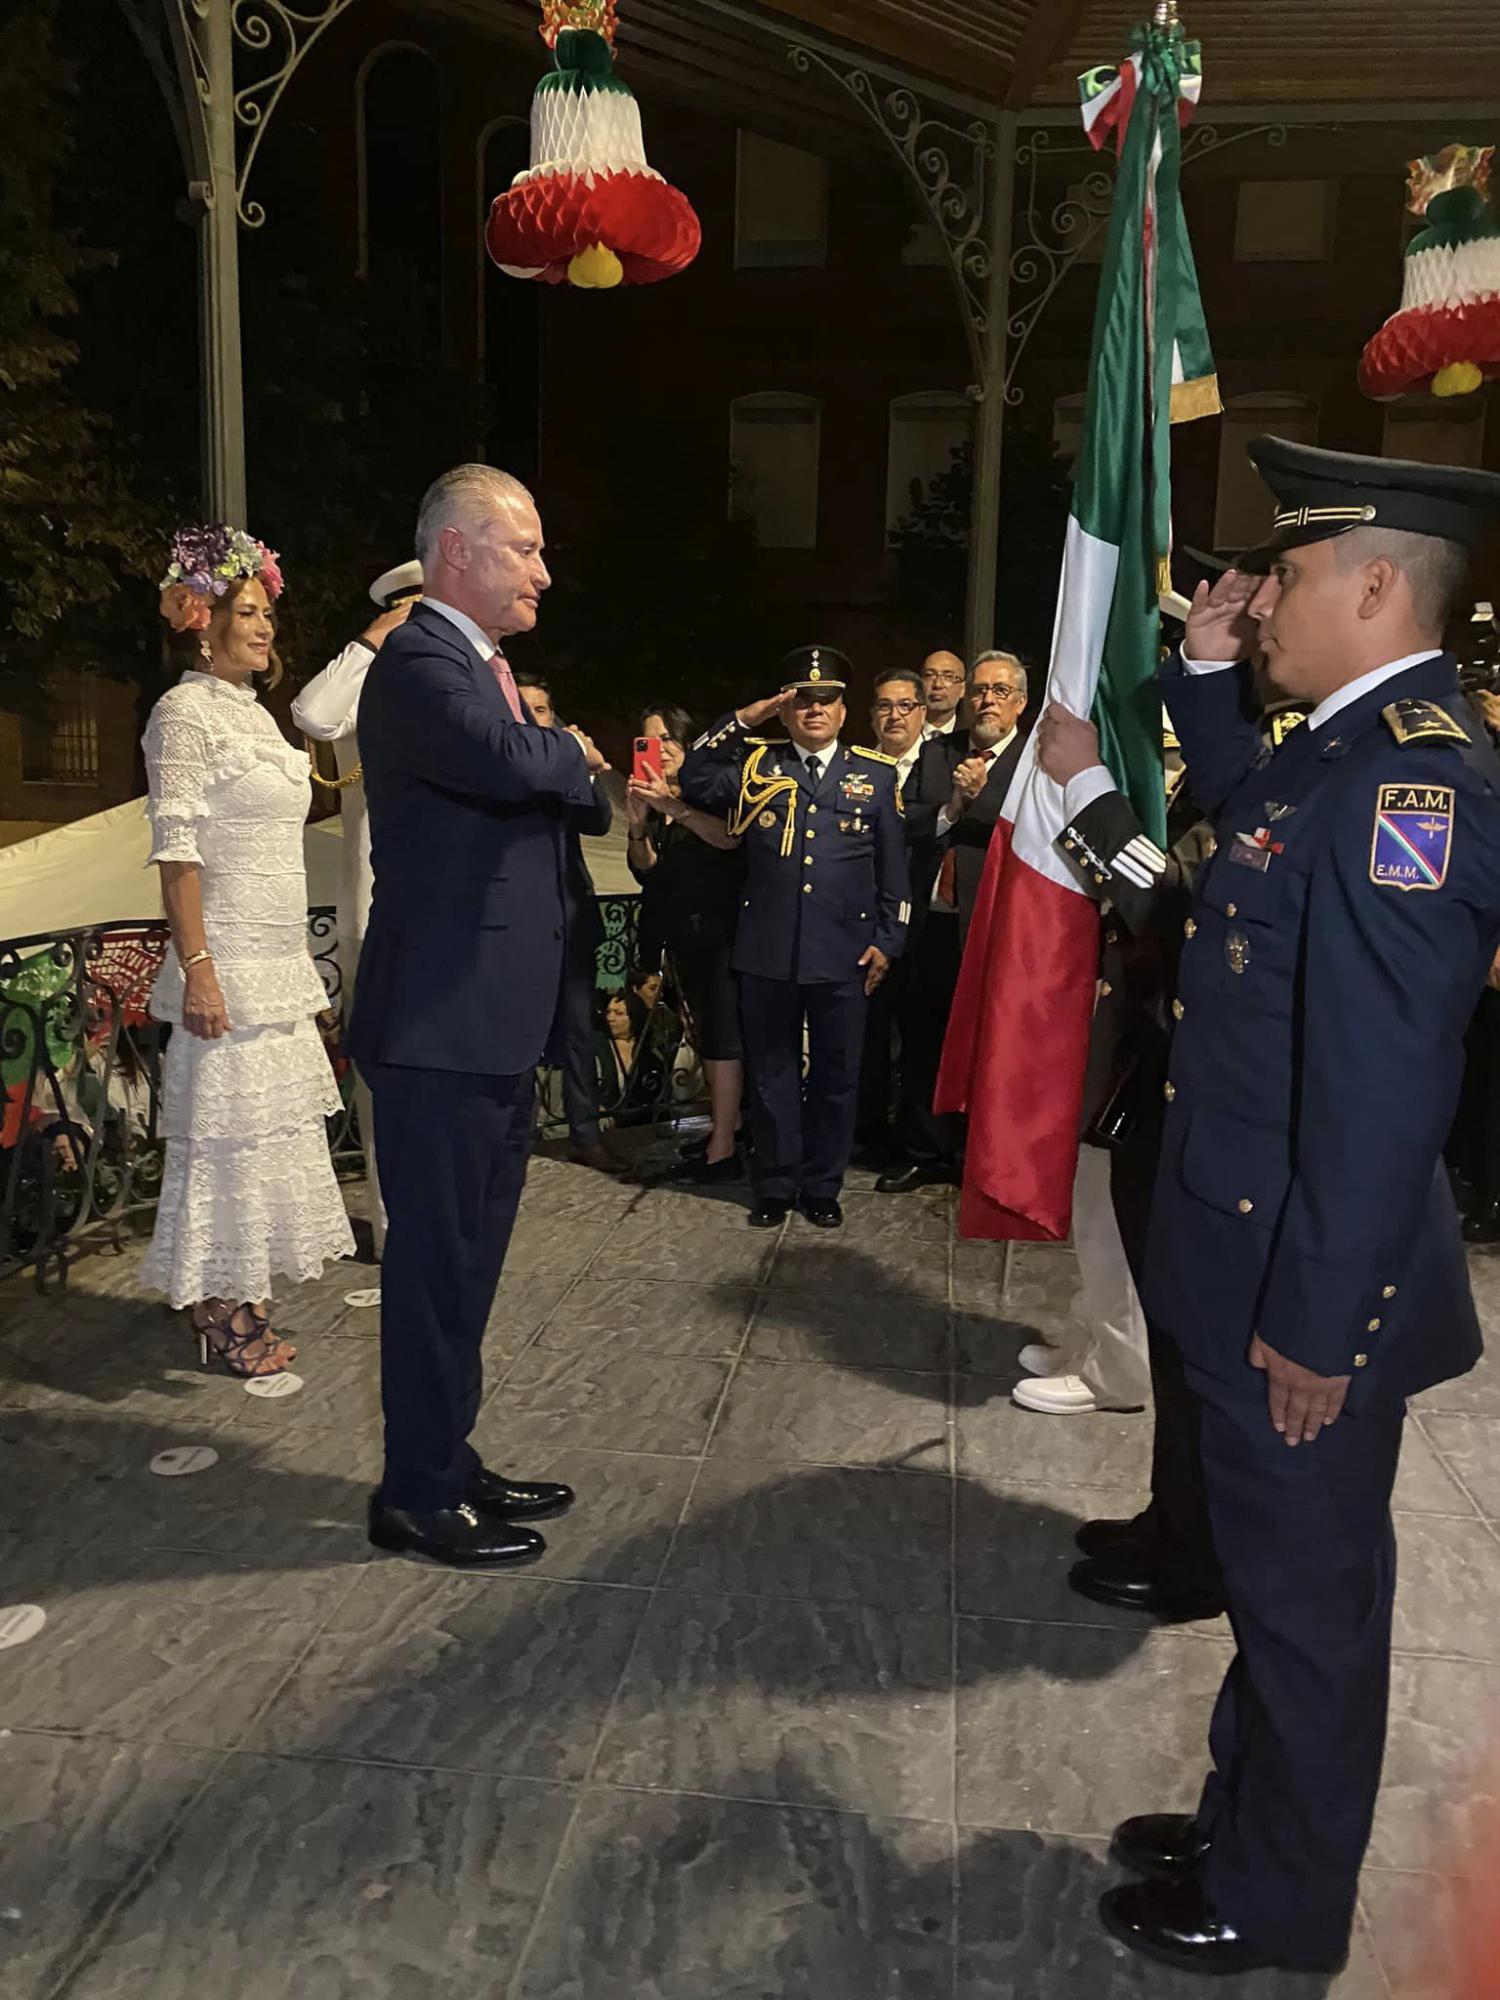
767 819
1236 951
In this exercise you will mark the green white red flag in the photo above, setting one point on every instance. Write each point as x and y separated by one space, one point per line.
1018 1035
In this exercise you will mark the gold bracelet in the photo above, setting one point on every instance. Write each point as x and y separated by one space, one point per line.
196 958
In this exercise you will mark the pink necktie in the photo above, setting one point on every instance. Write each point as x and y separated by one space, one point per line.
500 668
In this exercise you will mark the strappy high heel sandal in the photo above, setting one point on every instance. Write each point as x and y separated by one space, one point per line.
246 1352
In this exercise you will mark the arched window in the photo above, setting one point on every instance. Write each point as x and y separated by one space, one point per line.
773 461
1243 514
398 120
509 341
925 431
781 204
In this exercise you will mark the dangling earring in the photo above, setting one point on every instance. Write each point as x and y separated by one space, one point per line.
206 654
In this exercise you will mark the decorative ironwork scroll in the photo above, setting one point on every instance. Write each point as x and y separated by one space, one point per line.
946 161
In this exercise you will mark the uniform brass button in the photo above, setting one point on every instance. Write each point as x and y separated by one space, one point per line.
1169 1092
1070 845
1178 1010
807 861
1097 876
1111 937
1231 909
812 809
1105 989
1373 1327
1388 1292
807 888
810 834
1361 1360
1190 929
1244 1204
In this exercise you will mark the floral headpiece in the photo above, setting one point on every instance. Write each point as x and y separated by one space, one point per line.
205 561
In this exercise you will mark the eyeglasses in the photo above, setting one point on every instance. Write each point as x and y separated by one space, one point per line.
898 707
944 680
999 691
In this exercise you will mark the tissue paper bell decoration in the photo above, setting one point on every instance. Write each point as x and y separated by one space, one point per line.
1446 336
589 210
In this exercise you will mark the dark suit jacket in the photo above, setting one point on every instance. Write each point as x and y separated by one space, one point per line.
585 930
463 954
928 788
971 834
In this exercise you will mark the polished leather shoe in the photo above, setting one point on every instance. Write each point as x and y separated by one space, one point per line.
463 1537
770 1213
708 1173
1116 1580
914 1174
822 1211
1175 1923
1107 1538
1161 1846
598 1156
518 1499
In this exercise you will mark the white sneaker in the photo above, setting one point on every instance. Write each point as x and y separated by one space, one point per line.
1059 1396
1039 1359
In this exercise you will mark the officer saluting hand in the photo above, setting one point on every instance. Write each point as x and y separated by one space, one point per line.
1304 1251
824 912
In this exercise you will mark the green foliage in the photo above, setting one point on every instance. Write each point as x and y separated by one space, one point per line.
933 552
71 524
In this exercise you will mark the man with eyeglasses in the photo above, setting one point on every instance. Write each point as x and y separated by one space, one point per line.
824 913
997 701
915 999
943 690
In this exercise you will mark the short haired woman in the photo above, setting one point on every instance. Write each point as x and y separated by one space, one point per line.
248 1191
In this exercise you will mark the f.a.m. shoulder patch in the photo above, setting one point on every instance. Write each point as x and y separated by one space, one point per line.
1413 836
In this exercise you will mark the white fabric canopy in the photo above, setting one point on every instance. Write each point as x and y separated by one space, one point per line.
95 872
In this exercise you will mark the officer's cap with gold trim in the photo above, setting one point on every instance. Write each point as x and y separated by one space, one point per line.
816 669
1320 494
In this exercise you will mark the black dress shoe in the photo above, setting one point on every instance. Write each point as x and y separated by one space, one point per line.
1116 1580
463 1537
708 1173
1108 1538
1175 1923
1161 1846
916 1174
822 1211
518 1499
770 1213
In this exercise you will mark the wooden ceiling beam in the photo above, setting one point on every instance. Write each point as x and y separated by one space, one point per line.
948 57
1053 25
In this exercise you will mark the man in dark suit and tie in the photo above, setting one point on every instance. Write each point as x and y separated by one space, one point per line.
458 988
573 1040
997 701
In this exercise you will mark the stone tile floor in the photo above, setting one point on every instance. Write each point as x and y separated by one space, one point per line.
797 1705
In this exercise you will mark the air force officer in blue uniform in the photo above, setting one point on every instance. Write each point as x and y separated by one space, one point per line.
1304 1251
824 913
458 986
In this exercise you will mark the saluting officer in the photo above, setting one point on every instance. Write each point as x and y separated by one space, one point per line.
1304 1250
823 914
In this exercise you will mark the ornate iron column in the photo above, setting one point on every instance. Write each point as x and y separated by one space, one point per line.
191 46
963 172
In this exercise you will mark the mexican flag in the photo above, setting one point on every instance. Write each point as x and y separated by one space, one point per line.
1018 1033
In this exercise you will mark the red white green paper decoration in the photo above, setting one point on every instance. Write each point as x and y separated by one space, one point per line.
588 211
1446 336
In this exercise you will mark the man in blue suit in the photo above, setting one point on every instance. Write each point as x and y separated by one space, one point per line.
824 913
1304 1251
458 987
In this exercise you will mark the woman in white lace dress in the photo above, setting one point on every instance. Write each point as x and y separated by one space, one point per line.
249 1192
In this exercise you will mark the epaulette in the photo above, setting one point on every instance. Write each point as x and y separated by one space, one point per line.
1412 721
875 756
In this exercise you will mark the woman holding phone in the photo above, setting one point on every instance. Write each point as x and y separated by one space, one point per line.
691 875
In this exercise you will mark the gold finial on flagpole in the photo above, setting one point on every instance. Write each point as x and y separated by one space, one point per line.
1166 13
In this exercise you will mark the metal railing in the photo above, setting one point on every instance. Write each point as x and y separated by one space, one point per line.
81 1148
